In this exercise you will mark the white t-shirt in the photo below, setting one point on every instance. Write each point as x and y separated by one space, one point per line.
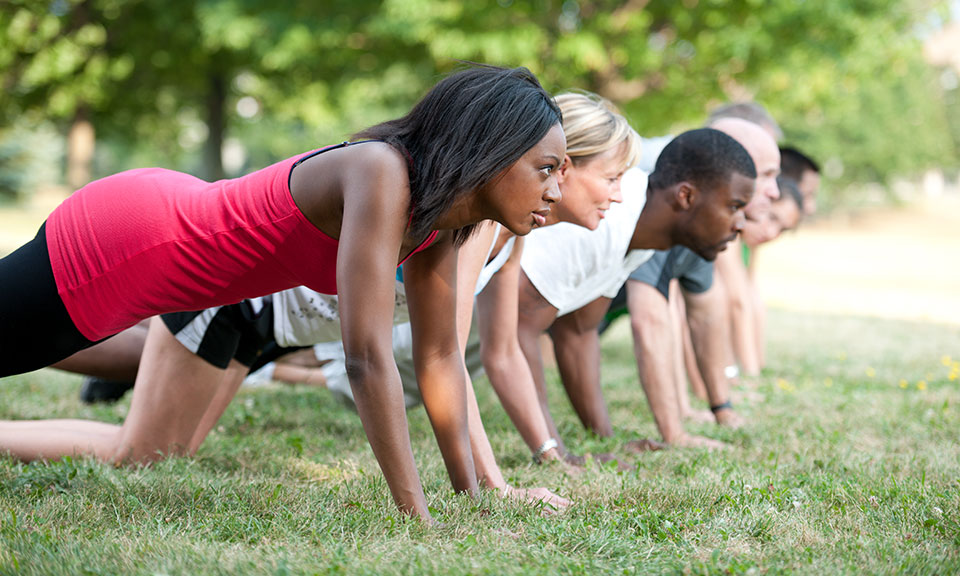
572 266
303 317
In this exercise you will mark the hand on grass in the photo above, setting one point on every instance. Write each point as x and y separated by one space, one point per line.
729 418
548 502
694 441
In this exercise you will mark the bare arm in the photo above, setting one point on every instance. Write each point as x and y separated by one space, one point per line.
373 209
471 258
534 316
503 360
576 344
731 271
709 332
430 279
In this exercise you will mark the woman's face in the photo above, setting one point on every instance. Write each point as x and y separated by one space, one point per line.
589 188
784 215
523 197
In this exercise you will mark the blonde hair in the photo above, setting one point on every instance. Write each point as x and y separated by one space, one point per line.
593 125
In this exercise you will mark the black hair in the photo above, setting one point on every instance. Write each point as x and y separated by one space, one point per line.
789 189
793 163
704 157
464 133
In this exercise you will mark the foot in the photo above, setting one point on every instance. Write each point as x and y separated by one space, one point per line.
96 390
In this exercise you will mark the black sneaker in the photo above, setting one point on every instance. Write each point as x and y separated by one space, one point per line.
96 390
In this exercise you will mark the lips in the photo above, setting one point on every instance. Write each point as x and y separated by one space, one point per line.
540 216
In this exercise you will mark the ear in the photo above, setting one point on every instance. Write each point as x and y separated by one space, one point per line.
563 172
685 195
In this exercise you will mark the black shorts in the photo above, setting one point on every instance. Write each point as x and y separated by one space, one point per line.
35 327
241 332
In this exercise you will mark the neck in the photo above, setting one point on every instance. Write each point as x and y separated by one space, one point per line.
654 226
463 212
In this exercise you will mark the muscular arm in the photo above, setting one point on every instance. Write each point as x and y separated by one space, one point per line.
709 332
653 348
576 344
430 280
373 209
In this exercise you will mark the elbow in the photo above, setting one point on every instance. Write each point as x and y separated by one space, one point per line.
364 369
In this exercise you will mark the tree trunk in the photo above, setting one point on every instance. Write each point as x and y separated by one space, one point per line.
216 126
81 143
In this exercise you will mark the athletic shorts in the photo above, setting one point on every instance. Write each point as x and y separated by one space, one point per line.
694 273
35 327
241 332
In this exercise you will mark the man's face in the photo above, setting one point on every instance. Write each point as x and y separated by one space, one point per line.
765 153
718 216
766 157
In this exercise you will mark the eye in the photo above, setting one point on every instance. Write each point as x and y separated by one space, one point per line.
548 169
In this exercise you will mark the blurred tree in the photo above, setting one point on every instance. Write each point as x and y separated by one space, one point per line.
164 79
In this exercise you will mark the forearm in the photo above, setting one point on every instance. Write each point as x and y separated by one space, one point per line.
488 472
652 348
529 341
379 399
444 391
510 376
708 333
578 359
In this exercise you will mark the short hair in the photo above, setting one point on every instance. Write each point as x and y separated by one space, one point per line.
464 133
704 157
593 125
789 189
794 163
749 111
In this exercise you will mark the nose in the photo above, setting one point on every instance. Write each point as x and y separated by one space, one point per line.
739 220
552 193
772 191
616 194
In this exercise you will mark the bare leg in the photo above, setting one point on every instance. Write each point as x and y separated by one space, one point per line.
117 358
174 389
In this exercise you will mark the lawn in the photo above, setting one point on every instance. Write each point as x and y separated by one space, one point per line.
850 463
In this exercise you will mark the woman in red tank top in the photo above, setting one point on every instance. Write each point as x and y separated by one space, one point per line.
484 143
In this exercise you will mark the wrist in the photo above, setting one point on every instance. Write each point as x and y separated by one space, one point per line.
548 445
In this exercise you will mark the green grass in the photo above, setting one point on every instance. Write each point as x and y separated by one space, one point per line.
841 470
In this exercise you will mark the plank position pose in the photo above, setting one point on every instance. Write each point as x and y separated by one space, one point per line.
484 143
695 197
600 146
656 313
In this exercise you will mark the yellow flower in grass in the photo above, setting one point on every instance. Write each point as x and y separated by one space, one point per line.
945 360
870 372
953 376
904 383
922 385
785 386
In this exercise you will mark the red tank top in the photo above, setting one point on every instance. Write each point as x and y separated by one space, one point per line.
151 241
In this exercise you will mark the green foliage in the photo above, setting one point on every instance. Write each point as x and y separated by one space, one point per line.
845 78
